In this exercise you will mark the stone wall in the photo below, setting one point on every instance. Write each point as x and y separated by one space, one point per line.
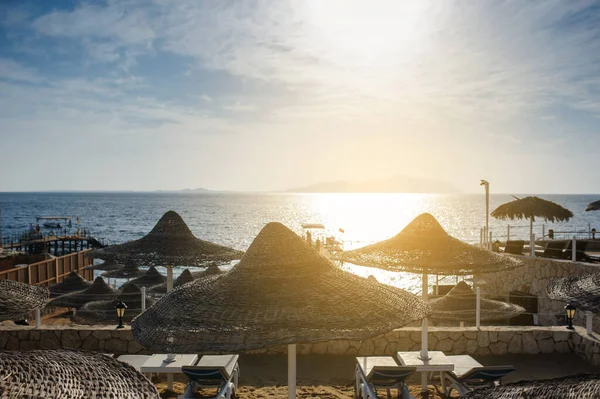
533 277
451 340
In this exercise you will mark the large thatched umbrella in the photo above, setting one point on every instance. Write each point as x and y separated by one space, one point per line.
460 303
17 299
130 270
72 283
106 266
150 278
424 247
185 277
570 387
98 291
281 292
70 374
582 291
104 311
531 208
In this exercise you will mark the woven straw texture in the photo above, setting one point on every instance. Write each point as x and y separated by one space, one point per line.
424 247
185 277
281 292
98 291
530 208
103 312
72 283
460 305
581 386
70 374
130 270
17 300
581 291
170 243
150 278
106 266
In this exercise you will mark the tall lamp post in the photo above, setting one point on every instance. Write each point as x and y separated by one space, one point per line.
487 208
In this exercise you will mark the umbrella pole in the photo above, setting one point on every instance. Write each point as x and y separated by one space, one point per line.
169 278
531 240
291 371
424 333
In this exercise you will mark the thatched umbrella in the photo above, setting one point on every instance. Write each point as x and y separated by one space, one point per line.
460 303
593 206
106 266
130 270
582 291
70 374
185 277
150 278
531 208
282 292
17 299
423 246
98 291
104 311
72 283
570 387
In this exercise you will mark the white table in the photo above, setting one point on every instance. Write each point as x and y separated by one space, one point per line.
438 362
157 364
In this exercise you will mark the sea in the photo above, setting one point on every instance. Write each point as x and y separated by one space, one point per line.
234 219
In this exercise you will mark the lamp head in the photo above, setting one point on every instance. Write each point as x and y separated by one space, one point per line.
570 310
120 308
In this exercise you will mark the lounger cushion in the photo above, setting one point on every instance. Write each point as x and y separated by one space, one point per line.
224 363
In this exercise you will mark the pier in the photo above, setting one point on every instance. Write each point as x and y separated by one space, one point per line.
52 244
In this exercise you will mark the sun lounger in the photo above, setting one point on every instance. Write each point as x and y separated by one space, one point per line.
136 361
580 247
381 372
553 249
213 371
469 375
514 247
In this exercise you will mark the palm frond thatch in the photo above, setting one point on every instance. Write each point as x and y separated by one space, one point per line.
581 291
105 266
281 292
424 247
72 283
530 208
170 243
150 278
185 277
130 270
98 291
569 387
17 299
70 374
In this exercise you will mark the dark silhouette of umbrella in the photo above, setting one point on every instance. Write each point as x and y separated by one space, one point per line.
150 278
72 283
460 304
593 206
572 386
98 291
106 266
281 292
17 299
130 270
185 277
531 208
582 291
70 374
170 243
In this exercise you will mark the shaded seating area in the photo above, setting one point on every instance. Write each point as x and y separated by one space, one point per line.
564 250
380 372
514 247
469 375
213 371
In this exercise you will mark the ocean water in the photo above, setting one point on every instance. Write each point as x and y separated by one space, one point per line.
235 219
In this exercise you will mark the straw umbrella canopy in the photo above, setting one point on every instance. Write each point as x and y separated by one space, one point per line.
185 277
72 283
460 303
569 387
104 311
150 278
593 206
531 208
130 270
170 242
582 291
98 291
70 374
106 266
17 299
281 292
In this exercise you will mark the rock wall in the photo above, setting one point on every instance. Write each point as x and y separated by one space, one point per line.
451 340
533 278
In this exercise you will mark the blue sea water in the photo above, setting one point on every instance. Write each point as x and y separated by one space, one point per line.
235 219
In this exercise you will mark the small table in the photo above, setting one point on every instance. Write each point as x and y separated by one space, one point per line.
438 362
157 364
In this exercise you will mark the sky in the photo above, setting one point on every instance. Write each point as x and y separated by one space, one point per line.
269 95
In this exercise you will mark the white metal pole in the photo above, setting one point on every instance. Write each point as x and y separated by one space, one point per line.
143 299
543 231
490 242
507 233
589 322
169 278
437 284
532 245
462 324
292 371
38 318
574 250
481 236
478 308
424 332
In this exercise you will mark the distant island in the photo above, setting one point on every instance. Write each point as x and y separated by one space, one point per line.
398 184
186 190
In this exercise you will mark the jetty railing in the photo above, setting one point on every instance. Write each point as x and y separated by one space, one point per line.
51 271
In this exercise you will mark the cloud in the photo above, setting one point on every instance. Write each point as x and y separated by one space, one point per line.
14 71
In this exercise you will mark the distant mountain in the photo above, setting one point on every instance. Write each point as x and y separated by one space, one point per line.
186 190
398 184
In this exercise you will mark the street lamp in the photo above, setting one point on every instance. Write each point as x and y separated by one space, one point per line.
120 308
487 207
570 309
